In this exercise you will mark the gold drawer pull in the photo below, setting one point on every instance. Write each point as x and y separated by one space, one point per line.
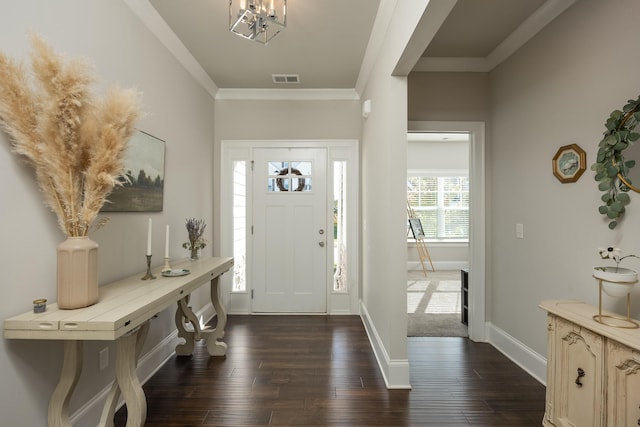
580 375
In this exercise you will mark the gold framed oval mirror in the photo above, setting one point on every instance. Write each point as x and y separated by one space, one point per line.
632 179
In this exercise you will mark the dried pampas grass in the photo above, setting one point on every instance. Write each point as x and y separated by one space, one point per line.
75 142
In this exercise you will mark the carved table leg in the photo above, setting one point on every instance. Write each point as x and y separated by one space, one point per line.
215 347
58 415
110 405
185 315
128 380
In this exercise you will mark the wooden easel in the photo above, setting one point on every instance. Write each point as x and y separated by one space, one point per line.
423 252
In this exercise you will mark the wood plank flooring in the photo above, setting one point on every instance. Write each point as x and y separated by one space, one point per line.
320 371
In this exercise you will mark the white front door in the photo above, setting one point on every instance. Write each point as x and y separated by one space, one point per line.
290 230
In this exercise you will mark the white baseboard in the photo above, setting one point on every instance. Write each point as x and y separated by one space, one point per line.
394 372
341 312
520 354
89 413
438 265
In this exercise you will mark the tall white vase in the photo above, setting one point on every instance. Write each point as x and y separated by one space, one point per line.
77 273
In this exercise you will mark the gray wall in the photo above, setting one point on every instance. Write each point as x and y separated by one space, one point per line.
448 96
558 89
177 110
384 164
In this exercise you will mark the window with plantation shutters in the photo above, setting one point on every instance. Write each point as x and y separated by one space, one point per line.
442 204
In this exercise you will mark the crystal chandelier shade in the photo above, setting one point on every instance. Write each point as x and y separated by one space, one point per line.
258 20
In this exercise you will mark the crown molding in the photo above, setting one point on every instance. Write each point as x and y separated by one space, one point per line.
470 65
287 94
521 35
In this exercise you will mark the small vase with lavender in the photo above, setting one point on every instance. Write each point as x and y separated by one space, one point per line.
195 230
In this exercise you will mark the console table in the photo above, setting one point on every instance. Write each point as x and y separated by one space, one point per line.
122 315
593 370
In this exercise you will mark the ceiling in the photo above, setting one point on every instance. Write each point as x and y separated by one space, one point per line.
474 28
326 40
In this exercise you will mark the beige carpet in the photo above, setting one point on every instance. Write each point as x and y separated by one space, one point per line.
433 305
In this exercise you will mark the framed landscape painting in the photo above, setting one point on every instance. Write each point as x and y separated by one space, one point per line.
144 167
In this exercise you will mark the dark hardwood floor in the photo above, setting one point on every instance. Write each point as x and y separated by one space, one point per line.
320 371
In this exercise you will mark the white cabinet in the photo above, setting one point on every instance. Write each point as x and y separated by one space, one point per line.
593 370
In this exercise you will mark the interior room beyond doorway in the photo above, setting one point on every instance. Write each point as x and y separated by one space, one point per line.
438 193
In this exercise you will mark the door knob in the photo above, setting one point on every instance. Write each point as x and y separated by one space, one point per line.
321 244
321 231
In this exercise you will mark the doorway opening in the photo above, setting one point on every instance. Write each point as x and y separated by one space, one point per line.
438 196
475 293
265 196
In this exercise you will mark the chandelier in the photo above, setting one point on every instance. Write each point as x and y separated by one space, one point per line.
258 20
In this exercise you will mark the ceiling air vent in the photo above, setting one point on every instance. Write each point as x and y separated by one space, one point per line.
286 78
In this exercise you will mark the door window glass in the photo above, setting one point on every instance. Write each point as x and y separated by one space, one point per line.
289 176
340 226
239 226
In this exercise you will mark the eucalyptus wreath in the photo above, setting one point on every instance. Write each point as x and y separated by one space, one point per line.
611 168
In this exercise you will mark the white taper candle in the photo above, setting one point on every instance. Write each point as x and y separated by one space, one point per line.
166 243
149 238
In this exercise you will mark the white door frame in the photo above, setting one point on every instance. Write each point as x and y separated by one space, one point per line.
477 237
337 150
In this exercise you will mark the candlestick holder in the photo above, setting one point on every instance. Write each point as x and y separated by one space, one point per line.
148 276
167 266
